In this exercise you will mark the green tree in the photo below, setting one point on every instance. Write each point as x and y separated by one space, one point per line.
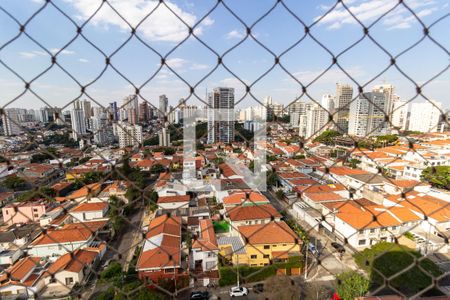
351 285
438 176
386 260
327 136
157 168
92 177
153 141
280 194
354 163
14 183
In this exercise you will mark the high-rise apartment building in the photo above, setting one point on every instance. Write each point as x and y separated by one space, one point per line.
221 115
101 127
130 109
316 120
389 93
425 116
78 120
164 137
344 96
367 117
128 135
399 113
114 110
11 121
327 102
163 106
144 112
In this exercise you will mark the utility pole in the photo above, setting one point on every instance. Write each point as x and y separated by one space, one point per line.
306 264
237 269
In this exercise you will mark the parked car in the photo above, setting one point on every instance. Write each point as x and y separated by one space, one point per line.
312 249
258 288
238 291
200 295
339 248
106 264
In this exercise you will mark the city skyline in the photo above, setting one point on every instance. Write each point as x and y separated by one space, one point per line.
193 61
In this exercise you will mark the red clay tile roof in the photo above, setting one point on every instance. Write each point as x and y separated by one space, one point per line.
90 206
270 233
20 269
240 197
241 213
323 197
63 236
177 198
207 240
72 264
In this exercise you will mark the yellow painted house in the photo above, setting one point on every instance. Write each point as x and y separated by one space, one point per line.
232 248
274 241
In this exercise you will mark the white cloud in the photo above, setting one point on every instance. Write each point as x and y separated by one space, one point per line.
368 11
161 25
65 51
32 54
333 75
176 62
235 34
196 66
83 60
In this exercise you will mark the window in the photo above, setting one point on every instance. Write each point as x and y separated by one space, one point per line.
266 246
266 256
69 280
35 209
361 231
394 227
36 215
372 230
362 242
253 256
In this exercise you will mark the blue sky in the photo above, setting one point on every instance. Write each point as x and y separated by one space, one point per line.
162 31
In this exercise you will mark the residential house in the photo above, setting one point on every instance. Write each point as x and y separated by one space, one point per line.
161 255
173 202
265 243
204 253
24 212
250 215
89 211
68 270
58 242
22 279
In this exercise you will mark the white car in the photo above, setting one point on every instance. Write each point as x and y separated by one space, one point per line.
238 291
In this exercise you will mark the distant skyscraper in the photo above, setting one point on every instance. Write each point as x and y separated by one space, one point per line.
114 110
86 107
130 109
101 127
163 105
164 137
344 95
399 113
388 90
78 120
11 120
144 112
221 100
367 116
425 116
128 135
328 103
316 120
